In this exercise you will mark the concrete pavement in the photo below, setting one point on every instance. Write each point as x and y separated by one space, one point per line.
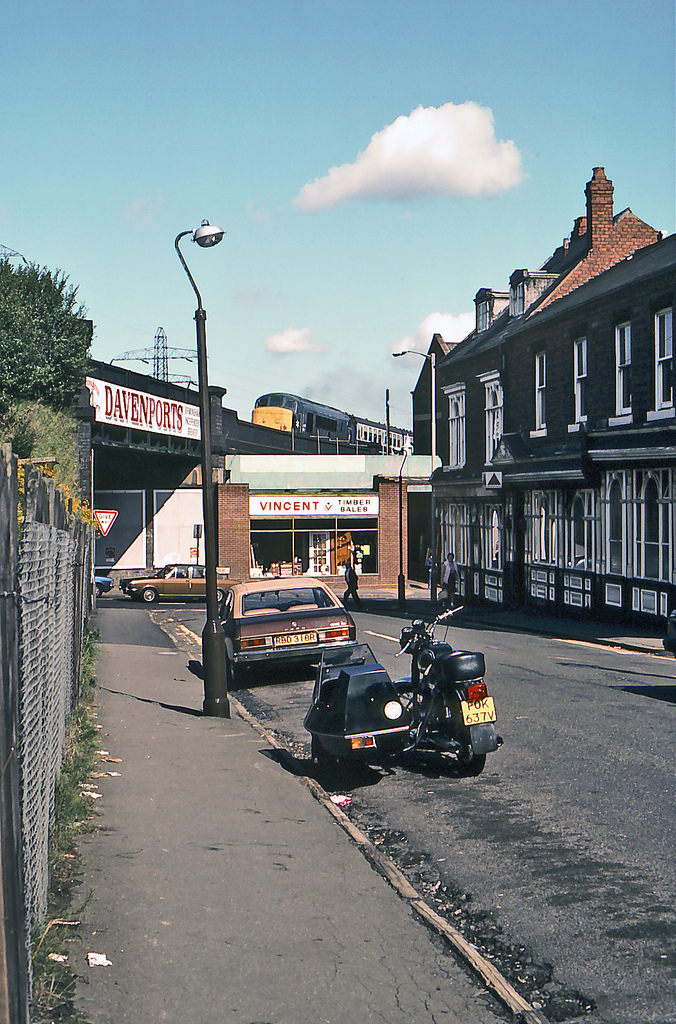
221 889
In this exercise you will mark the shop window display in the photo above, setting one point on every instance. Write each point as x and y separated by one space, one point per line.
285 547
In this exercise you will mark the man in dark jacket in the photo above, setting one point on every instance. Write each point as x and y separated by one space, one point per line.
352 581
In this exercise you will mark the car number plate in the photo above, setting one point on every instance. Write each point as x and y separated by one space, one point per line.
292 639
476 712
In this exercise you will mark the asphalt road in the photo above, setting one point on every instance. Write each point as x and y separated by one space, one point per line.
558 861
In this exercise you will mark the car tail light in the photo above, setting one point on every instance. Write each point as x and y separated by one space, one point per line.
337 633
253 641
477 691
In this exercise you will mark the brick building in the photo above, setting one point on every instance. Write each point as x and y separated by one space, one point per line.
561 472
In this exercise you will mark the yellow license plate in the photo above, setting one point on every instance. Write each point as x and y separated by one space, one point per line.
292 639
476 712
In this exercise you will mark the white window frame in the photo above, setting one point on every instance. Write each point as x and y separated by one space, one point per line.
581 551
580 379
517 299
455 531
457 428
482 323
664 353
544 528
540 395
494 412
493 538
623 410
622 541
661 541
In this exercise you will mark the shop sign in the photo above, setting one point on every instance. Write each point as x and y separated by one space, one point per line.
124 407
269 506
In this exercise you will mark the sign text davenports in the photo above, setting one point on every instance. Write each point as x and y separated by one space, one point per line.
124 407
285 505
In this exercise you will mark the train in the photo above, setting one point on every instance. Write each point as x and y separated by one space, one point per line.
292 413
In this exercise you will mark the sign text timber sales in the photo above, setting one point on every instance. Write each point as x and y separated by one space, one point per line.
271 505
124 407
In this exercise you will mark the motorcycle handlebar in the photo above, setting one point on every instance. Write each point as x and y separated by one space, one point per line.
448 614
429 628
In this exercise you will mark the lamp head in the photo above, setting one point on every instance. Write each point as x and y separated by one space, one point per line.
207 234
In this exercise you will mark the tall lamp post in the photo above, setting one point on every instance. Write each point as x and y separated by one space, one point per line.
432 357
401 581
216 702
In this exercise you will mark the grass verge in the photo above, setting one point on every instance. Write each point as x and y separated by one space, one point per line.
54 982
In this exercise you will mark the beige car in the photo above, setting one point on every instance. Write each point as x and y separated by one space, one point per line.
288 620
172 581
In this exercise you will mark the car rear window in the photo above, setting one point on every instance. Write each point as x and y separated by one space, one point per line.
284 600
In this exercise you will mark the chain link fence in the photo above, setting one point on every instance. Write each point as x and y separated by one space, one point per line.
45 574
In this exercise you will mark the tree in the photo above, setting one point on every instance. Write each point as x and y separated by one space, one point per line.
44 337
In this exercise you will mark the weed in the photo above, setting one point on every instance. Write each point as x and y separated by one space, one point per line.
54 982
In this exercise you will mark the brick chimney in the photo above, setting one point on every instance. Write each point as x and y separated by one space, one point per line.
579 228
599 210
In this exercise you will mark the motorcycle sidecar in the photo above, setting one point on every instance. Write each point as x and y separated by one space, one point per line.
356 712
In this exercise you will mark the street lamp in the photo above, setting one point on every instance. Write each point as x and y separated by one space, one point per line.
401 581
432 356
216 702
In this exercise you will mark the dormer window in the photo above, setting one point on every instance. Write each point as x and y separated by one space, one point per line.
526 287
489 304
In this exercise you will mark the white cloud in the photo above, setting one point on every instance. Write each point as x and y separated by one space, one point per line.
143 213
451 328
293 340
436 151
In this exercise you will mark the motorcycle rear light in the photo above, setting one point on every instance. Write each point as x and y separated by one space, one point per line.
477 691
362 742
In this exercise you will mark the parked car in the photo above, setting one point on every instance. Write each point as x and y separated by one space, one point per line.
670 639
103 584
174 580
289 620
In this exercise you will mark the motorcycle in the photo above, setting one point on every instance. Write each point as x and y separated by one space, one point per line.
359 713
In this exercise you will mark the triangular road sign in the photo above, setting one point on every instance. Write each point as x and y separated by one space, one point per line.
105 518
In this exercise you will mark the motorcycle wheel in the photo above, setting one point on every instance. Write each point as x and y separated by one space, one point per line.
471 764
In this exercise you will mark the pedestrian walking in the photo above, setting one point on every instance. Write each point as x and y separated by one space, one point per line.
352 581
450 577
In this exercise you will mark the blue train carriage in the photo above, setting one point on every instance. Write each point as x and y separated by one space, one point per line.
290 412
287 412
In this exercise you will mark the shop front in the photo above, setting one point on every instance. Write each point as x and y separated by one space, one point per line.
282 516
313 534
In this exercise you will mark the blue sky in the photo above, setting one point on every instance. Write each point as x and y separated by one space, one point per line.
373 164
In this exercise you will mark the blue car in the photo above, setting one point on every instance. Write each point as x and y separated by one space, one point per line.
103 584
